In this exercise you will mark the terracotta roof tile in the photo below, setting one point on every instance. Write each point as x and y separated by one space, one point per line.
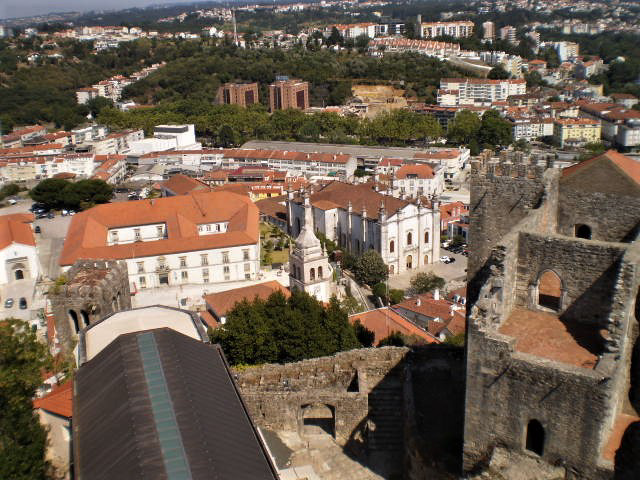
416 171
384 321
87 235
628 165
15 228
182 184
223 302
58 401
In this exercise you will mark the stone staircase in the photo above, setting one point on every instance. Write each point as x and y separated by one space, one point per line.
386 419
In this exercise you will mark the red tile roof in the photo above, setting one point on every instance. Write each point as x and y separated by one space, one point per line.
182 184
15 228
87 235
58 401
223 302
384 321
628 165
425 305
416 171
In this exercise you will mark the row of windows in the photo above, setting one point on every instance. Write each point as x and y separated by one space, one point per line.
204 260
184 276
392 243
297 273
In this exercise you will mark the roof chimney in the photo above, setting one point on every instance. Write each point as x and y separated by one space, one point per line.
436 294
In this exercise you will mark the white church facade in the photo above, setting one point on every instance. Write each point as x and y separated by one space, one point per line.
358 218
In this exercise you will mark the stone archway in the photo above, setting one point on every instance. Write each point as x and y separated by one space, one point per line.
550 290
409 262
534 441
318 419
73 317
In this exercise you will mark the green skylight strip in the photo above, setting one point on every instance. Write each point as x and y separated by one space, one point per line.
173 454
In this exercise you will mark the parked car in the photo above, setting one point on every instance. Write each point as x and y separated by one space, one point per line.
51 215
38 206
8 303
41 215
445 259
12 201
38 229
23 303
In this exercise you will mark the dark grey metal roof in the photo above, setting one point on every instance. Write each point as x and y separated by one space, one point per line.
153 400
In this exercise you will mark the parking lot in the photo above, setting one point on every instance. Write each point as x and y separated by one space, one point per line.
456 271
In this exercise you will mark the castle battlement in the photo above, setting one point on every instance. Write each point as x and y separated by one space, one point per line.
511 163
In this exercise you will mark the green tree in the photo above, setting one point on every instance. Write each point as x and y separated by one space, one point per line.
22 438
370 269
335 38
494 130
424 282
363 334
498 73
49 192
362 42
95 105
395 339
396 296
284 330
464 128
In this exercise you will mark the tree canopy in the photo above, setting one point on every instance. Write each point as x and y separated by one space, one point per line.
424 282
369 268
59 193
284 330
22 438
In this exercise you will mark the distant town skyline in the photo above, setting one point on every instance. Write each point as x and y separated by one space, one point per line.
17 9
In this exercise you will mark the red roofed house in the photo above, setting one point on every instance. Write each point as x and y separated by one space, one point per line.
438 316
412 181
221 303
202 237
384 321
181 185
18 257
55 412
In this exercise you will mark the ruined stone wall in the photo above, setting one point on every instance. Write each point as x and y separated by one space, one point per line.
506 390
588 271
607 204
93 290
502 196
277 394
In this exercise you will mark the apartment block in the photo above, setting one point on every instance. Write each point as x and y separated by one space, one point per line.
285 93
461 29
576 131
478 91
243 94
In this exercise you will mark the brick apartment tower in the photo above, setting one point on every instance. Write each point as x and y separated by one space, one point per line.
243 94
553 313
285 93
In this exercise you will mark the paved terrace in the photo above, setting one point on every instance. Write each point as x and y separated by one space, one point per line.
547 336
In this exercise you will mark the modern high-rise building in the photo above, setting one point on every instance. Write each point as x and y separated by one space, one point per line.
508 33
285 93
243 94
488 30
460 29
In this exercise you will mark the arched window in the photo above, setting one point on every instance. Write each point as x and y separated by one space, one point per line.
392 246
19 274
535 437
73 316
409 238
426 259
583 231
549 290
114 304
319 272
426 237
391 269
409 262
312 274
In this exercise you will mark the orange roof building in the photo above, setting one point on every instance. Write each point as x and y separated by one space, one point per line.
202 237
438 316
221 303
18 256
384 322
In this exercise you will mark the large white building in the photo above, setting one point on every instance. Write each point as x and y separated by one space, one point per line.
358 218
204 237
18 256
413 181
478 91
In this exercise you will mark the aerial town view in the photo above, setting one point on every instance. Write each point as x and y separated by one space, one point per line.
323 240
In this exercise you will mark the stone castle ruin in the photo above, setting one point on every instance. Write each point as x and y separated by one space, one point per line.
91 290
554 272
